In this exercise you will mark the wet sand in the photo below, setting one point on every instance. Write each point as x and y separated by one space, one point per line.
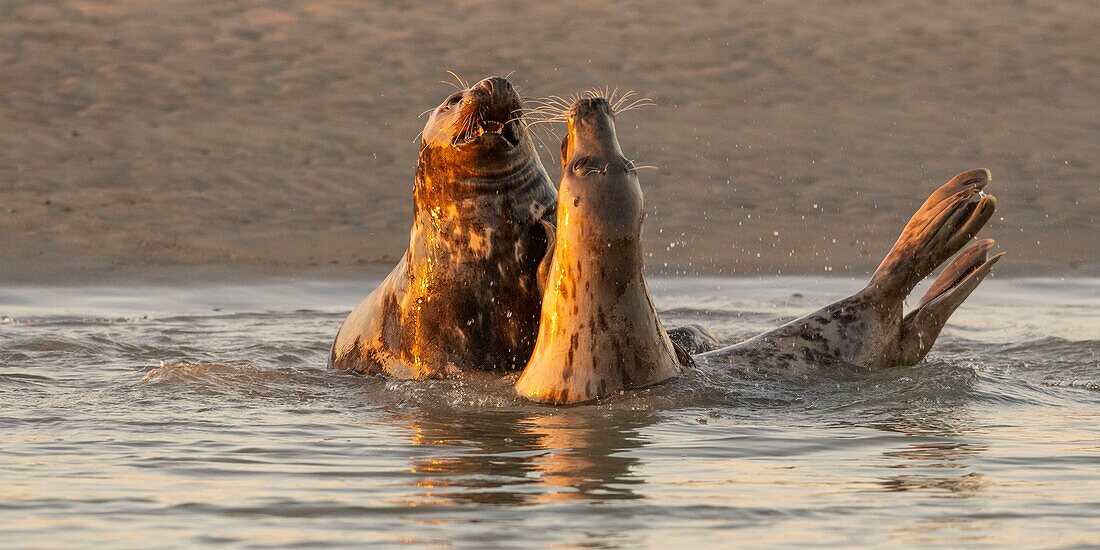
235 140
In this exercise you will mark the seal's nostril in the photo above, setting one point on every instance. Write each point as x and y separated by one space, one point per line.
495 84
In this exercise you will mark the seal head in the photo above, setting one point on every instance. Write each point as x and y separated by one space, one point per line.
475 136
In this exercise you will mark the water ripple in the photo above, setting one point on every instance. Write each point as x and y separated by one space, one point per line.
199 427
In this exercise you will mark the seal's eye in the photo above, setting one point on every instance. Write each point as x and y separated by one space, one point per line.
451 101
588 165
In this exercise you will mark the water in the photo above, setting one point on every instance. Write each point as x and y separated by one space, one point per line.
204 415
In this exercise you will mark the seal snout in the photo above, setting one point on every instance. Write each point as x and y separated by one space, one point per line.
490 110
494 97
591 145
590 106
494 85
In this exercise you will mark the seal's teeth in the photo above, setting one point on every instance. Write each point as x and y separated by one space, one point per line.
490 127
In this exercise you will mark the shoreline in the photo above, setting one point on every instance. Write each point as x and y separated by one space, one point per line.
187 275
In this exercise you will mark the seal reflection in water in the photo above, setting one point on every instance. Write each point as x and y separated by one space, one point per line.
520 457
869 328
465 294
599 331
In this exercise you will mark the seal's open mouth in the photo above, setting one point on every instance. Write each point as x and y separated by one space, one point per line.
487 129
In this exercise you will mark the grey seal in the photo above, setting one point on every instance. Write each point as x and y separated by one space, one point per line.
465 294
599 331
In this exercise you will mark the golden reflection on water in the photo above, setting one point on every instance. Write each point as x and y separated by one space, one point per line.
564 455
523 458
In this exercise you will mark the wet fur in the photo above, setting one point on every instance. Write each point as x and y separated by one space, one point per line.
465 294
599 331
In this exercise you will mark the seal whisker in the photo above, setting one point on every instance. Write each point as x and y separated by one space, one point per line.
622 100
544 102
533 121
547 111
557 99
459 79
546 119
554 108
526 118
560 99
611 97
535 99
637 104
541 110
549 131
542 121
554 115
635 100
542 113
538 137
558 102
465 126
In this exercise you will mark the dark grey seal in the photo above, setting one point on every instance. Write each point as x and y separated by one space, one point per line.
465 294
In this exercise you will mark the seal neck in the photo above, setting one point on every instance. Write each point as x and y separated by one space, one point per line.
525 181
596 260
502 180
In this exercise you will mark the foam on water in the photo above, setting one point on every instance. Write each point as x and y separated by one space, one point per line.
203 415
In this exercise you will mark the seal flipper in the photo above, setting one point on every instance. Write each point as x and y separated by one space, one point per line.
950 217
683 356
868 329
692 339
921 326
544 266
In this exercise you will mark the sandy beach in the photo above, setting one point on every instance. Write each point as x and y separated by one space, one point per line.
229 140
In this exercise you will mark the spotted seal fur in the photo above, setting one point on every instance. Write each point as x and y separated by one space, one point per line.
870 328
465 294
599 331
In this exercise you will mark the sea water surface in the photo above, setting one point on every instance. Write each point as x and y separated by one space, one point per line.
204 415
